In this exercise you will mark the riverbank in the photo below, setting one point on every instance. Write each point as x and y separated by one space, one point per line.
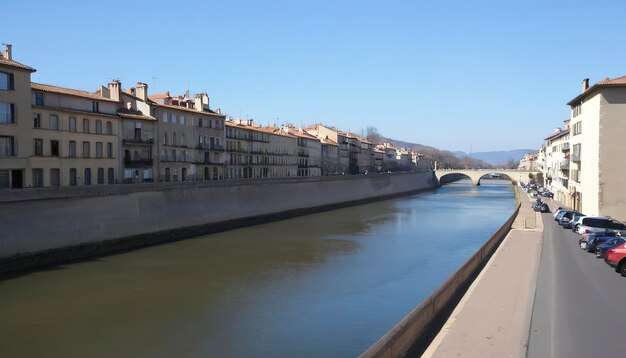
70 225
493 317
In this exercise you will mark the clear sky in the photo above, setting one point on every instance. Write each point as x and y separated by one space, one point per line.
486 75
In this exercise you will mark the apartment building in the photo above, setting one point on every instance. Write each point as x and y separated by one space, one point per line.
259 152
554 163
15 122
190 138
597 166
332 135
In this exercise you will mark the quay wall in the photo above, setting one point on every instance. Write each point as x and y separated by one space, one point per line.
42 227
411 336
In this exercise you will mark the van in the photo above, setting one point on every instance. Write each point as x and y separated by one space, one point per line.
589 224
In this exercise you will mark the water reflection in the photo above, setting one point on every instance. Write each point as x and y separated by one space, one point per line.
327 284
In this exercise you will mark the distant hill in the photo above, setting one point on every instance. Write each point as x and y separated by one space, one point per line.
497 157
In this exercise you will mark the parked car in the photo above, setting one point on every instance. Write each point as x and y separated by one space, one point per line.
602 248
567 217
556 212
590 224
546 194
616 257
574 219
593 242
585 238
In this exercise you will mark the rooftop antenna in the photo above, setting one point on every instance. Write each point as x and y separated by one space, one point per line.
153 81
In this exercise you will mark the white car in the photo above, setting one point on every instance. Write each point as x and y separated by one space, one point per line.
589 224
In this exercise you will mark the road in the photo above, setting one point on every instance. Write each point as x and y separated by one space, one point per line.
580 302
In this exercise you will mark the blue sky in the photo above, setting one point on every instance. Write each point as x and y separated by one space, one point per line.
486 75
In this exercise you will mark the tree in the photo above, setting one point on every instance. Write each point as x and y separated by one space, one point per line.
373 136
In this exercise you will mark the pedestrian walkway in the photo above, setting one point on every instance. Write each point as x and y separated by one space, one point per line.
493 318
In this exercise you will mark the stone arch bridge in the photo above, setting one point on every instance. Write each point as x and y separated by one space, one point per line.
515 176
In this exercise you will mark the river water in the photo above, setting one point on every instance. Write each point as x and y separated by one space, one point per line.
322 285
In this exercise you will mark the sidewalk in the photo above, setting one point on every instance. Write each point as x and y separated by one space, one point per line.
493 318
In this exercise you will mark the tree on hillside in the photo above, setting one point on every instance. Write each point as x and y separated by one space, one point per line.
373 135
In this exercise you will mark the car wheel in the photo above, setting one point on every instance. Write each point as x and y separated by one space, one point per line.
598 253
583 245
622 268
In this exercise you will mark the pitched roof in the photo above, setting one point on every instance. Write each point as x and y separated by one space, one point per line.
186 109
135 116
68 91
607 82
159 95
15 64
557 134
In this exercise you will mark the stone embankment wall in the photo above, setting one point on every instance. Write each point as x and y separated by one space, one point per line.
412 335
41 227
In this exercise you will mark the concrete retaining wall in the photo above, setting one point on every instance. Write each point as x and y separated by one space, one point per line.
412 335
70 224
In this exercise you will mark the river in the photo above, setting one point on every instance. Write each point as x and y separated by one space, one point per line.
322 285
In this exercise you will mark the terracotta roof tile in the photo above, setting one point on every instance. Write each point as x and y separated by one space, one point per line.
136 116
68 91
15 64
160 95
187 109
607 82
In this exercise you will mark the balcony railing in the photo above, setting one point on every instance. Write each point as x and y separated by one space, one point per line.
137 162
576 157
137 141
206 146
565 147
564 165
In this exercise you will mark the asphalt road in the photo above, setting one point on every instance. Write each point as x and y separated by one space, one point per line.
580 302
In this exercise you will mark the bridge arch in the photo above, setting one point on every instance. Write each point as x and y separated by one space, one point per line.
515 176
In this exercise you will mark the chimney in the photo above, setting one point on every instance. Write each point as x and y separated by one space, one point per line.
142 91
115 88
7 54
197 102
585 84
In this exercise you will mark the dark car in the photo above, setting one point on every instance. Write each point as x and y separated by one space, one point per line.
584 239
547 194
602 248
593 242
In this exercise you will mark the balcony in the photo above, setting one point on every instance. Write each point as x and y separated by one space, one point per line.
136 141
137 162
564 164
206 146
565 147
576 157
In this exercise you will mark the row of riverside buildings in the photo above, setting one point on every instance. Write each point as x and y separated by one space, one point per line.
583 162
53 137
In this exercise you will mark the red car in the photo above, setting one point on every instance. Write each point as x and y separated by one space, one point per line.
616 257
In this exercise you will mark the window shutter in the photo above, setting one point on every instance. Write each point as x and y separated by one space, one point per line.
12 115
11 82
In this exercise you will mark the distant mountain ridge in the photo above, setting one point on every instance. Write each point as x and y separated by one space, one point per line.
497 157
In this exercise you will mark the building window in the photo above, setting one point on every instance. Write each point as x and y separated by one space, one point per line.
109 128
72 124
54 122
183 120
37 178
576 110
38 147
4 179
98 149
7 112
54 148
55 177
110 176
174 138
87 180
199 122
6 146
72 149
85 149
165 138
100 175
6 81
95 107
174 118
85 125
577 128
109 150
98 126
164 117
73 177
39 99
183 139
36 120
